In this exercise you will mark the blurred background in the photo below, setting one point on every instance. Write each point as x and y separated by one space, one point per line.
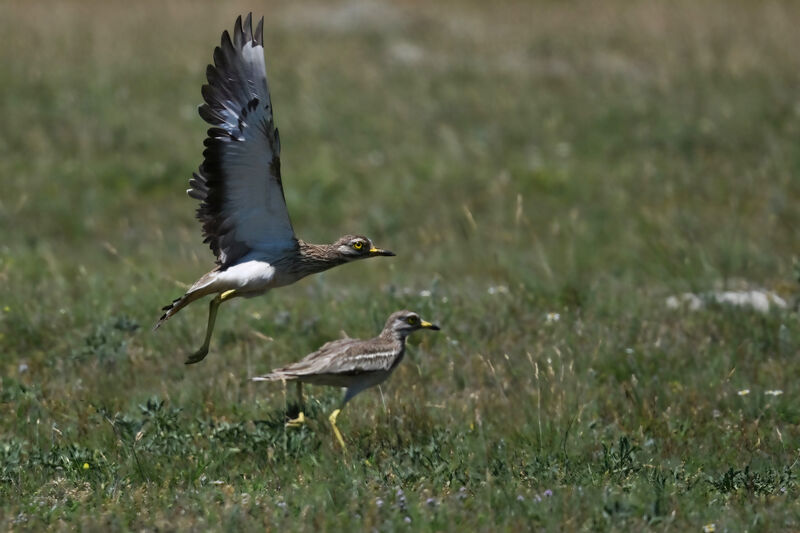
548 174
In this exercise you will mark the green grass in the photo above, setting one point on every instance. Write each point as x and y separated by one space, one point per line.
582 158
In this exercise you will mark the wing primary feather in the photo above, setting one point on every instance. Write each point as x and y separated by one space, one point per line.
226 47
238 33
259 35
220 63
209 94
209 115
248 28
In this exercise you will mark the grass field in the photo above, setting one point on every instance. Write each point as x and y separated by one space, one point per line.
585 159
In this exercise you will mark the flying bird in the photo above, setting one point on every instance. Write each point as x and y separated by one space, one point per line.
352 363
242 207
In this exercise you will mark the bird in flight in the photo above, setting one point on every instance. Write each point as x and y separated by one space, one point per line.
242 206
352 363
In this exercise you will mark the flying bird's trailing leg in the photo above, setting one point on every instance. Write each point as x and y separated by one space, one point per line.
200 354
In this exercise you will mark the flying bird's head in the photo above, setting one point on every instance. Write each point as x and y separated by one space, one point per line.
402 323
352 247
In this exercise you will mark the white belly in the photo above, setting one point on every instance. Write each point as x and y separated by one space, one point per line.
249 276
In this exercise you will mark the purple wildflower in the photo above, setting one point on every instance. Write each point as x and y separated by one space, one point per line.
401 498
548 493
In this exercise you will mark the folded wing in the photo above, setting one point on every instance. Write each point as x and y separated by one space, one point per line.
339 357
346 356
242 206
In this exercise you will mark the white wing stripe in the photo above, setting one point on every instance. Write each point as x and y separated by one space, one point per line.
371 356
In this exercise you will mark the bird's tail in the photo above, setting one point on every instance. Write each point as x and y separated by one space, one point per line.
178 304
277 375
202 287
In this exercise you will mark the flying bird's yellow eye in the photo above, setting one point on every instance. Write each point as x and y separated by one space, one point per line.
412 320
358 245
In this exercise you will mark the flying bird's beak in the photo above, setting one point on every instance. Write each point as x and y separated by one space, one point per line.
378 251
428 325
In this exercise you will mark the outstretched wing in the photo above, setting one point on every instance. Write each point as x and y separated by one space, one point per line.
242 206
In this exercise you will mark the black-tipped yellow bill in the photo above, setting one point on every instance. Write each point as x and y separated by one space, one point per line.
427 325
378 251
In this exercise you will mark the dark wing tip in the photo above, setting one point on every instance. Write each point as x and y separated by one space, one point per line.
226 43
248 27
219 55
259 35
238 33
209 115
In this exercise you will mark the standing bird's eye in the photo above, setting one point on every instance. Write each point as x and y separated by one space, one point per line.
412 320
358 245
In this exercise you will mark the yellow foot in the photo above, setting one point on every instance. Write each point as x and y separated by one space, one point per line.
297 422
197 356
336 431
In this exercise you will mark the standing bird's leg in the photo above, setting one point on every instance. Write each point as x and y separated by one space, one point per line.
348 395
200 354
301 418
336 432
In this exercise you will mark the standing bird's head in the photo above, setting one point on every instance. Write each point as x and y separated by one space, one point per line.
352 247
402 323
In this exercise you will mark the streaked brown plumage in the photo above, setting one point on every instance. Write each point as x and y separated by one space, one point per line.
353 363
239 186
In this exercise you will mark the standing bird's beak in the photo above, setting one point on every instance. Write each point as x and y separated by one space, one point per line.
428 325
378 251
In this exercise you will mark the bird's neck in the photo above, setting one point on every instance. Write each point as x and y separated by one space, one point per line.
318 257
397 342
395 336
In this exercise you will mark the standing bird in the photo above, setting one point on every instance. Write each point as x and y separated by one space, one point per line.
352 363
242 206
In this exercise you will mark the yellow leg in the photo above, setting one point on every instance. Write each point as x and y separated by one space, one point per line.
300 401
200 354
301 418
297 422
332 419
